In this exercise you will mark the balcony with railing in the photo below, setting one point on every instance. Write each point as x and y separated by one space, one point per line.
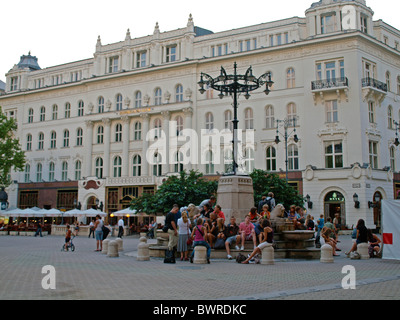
335 85
373 90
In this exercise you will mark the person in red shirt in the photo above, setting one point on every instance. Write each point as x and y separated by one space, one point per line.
254 216
67 237
246 231
218 212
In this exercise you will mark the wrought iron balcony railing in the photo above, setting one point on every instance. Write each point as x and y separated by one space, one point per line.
370 82
329 83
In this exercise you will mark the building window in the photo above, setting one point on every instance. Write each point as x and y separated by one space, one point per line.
118 132
170 54
78 170
51 171
328 23
157 167
30 115
209 92
55 112
66 139
53 140
158 128
27 173
100 106
64 171
179 93
138 131
100 134
291 111
99 168
331 111
388 81
138 99
390 117
137 166
228 160
209 121
67 112
113 64
333 154
228 125
79 137
371 112
39 168
42 113
271 159
157 97
293 157
179 125
392 154
141 59
249 160
209 162
373 154
81 107
117 167
14 83
364 24
118 103
248 119
269 117
290 78
178 167
41 141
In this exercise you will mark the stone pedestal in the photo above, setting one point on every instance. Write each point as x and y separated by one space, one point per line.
105 246
143 253
267 254
235 195
112 249
362 249
200 255
326 254
120 244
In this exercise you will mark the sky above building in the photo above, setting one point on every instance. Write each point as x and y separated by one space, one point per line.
59 32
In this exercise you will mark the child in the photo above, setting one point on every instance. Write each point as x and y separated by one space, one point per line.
67 237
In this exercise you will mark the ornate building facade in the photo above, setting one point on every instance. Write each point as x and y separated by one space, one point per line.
91 129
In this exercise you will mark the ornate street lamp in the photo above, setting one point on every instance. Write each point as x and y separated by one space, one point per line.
234 84
286 123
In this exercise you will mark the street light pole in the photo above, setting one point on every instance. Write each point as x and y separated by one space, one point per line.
234 84
286 123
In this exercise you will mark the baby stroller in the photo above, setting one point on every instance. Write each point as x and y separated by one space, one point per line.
69 245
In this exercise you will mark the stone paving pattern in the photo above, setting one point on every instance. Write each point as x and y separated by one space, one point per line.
86 274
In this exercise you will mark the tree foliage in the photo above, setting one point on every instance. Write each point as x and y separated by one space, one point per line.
264 182
183 189
11 155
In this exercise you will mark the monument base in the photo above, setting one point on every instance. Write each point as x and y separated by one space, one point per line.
235 195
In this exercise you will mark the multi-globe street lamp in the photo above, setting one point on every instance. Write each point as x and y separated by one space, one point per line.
233 85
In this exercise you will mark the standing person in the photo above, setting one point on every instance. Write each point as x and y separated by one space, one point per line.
211 202
271 200
338 225
76 228
172 227
198 233
261 203
91 228
98 231
232 236
246 231
320 225
267 237
38 229
184 233
361 237
120 227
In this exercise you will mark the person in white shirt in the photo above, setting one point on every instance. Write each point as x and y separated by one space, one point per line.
120 227
184 233
91 228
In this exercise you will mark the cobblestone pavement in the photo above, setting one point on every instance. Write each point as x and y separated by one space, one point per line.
86 274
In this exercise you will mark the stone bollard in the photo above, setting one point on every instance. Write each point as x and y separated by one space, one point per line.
105 246
362 249
120 244
112 249
267 254
326 254
200 255
143 253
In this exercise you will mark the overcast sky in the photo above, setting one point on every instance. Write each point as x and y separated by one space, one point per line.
58 32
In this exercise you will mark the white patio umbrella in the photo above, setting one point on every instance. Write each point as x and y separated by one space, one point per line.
51 212
124 212
93 212
73 213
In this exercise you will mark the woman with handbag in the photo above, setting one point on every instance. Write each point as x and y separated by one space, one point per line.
184 230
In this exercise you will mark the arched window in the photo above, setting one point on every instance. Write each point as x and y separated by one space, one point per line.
157 166
271 159
290 78
117 167
138 99
179 125
66 138
81 108
78 170
249 160
158 128
79 137
39 169
248 119
100 105
388 81
41 141
228 125
137 166
392 154
28 142
67 111
118 132
53 140
27 172
179 93
209 162
43 113
293 157
209 121
291 111
228 160
64 171
30 115
52 169
138 131
390 117
157 97
55 112
178 161
118 102
99 168
269 117
100 134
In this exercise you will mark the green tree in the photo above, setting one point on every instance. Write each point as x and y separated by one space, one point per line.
11 155
183 189
264 182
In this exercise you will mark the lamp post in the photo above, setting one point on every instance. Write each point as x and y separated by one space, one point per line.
234 84
396 140
286 123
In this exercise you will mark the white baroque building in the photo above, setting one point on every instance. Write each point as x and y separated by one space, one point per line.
84 124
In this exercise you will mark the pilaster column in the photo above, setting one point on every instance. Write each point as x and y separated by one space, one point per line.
188 112
125 146
106 163
166 116
145 144
89 147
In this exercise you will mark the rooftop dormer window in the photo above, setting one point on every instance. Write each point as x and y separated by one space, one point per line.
328 23
113 64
